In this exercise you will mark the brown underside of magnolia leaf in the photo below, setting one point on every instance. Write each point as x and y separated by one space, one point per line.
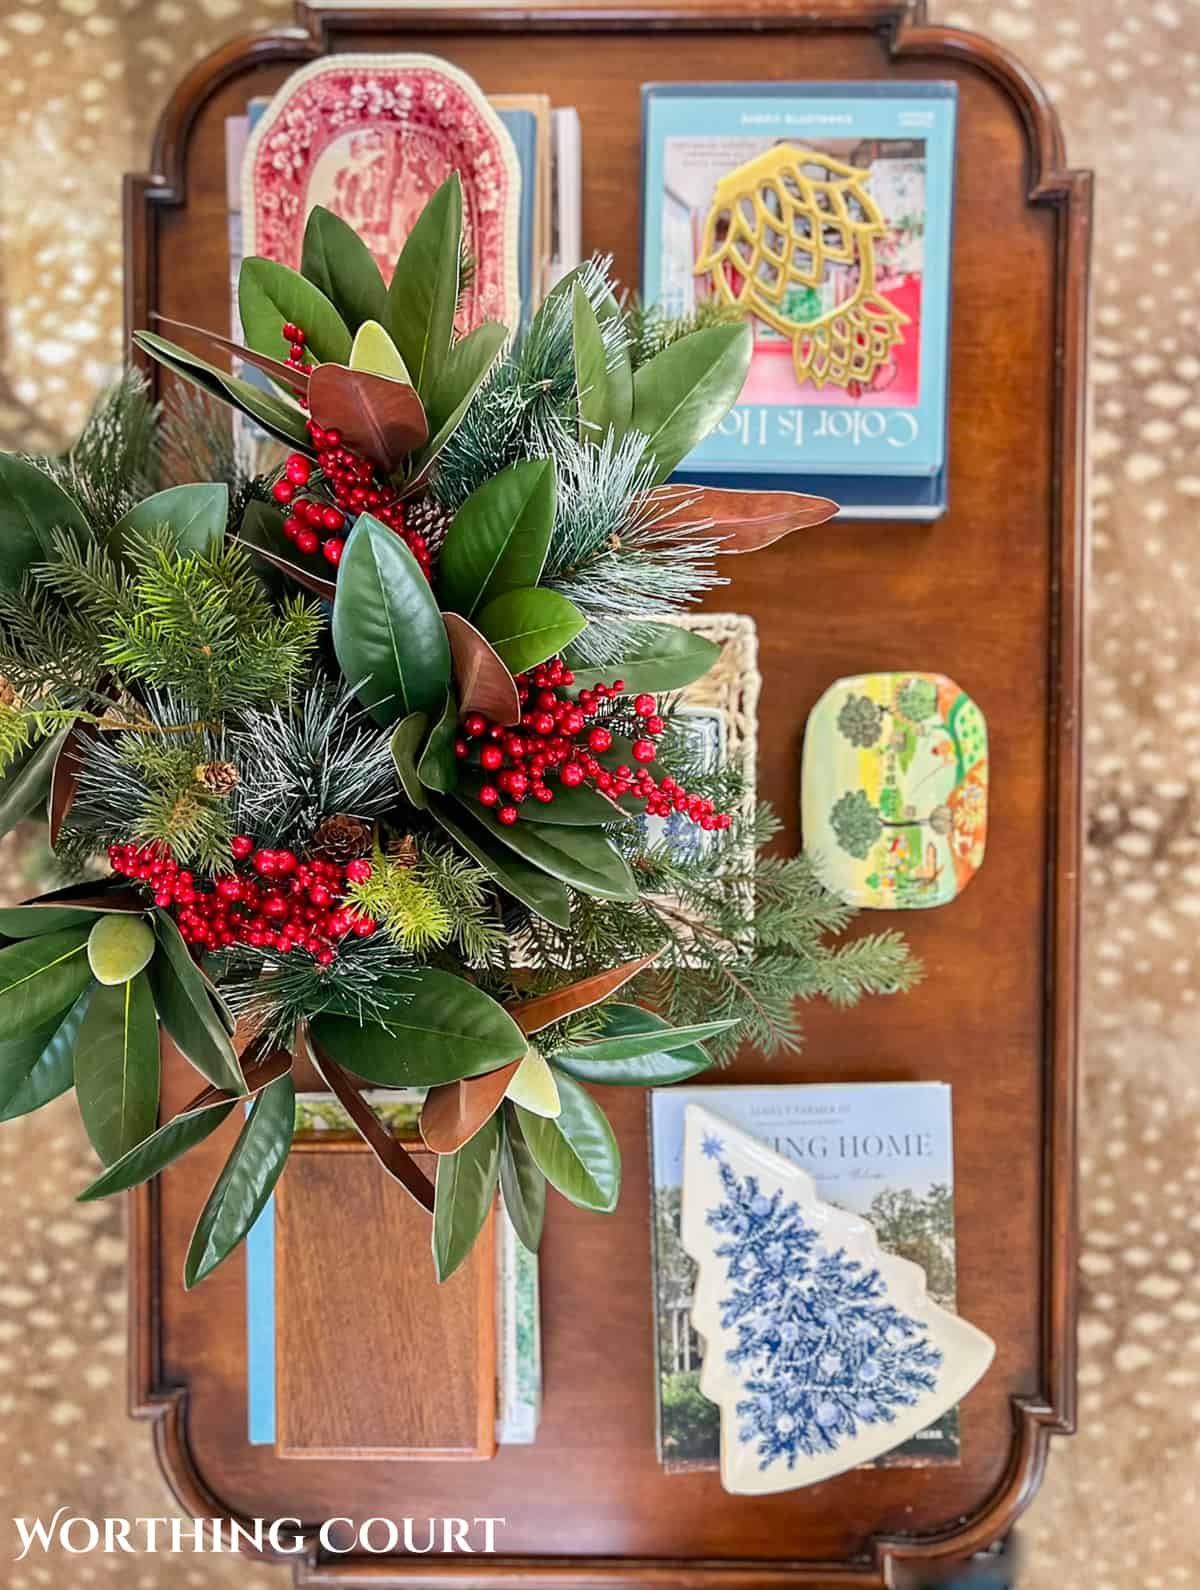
286 374
388 1150
311 582
531 1015
454 1111
68 770
743 521
379 418
484 683
259 1070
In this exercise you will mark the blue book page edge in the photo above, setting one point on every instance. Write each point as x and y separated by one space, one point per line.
935 322
260 1328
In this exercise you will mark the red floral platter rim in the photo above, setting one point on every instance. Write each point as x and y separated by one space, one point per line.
328 100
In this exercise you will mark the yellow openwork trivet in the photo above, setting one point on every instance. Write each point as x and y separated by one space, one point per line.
777 224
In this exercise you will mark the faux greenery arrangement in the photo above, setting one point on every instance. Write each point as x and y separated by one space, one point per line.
368 743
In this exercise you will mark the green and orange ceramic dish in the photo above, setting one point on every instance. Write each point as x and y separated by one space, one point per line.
895 789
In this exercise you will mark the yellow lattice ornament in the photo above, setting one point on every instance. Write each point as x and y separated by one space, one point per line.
778 223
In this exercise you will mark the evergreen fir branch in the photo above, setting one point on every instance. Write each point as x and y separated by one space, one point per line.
528 407
651 329
46 647
196 439
397 896
114 464
612 553
468 897
142 783
739 937
313 758
86 578
367 980
202 628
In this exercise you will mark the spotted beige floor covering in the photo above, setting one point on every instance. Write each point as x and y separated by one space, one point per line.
80 84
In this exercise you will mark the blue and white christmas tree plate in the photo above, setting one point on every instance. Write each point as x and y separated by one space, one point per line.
822 1351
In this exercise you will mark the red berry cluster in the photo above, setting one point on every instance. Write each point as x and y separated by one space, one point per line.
314 521
555 736
275 901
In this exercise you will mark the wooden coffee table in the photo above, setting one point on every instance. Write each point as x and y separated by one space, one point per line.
991 595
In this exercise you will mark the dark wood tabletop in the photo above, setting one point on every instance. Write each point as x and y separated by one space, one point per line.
991 595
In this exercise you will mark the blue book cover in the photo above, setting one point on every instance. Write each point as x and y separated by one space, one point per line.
824 210
522 128
882 1150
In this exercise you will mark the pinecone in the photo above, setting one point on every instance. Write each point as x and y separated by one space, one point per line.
430 520
218 778
403 852
341 838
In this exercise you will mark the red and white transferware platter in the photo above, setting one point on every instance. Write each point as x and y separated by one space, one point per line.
371 137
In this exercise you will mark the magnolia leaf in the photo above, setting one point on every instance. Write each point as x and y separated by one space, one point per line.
454 1111
662 657
388 1149
630 1032
576 1151
591 369
117 1067
246 1182
31 507
545 896
482 681
579 807
447 1028
521 1182
145 1159
93 894
437 768
531 1015
119 947
32 921
286 375
279 419
743 521
499 537
423 297
533 1087
406 743
195 516
253 536
187 1012
69 764
466 1188
654 1069
581 857
26 782
467 367
374 351
685 391
387 631
378 417
36 1069
527 626
40 979
336 260
271 295
261 1065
